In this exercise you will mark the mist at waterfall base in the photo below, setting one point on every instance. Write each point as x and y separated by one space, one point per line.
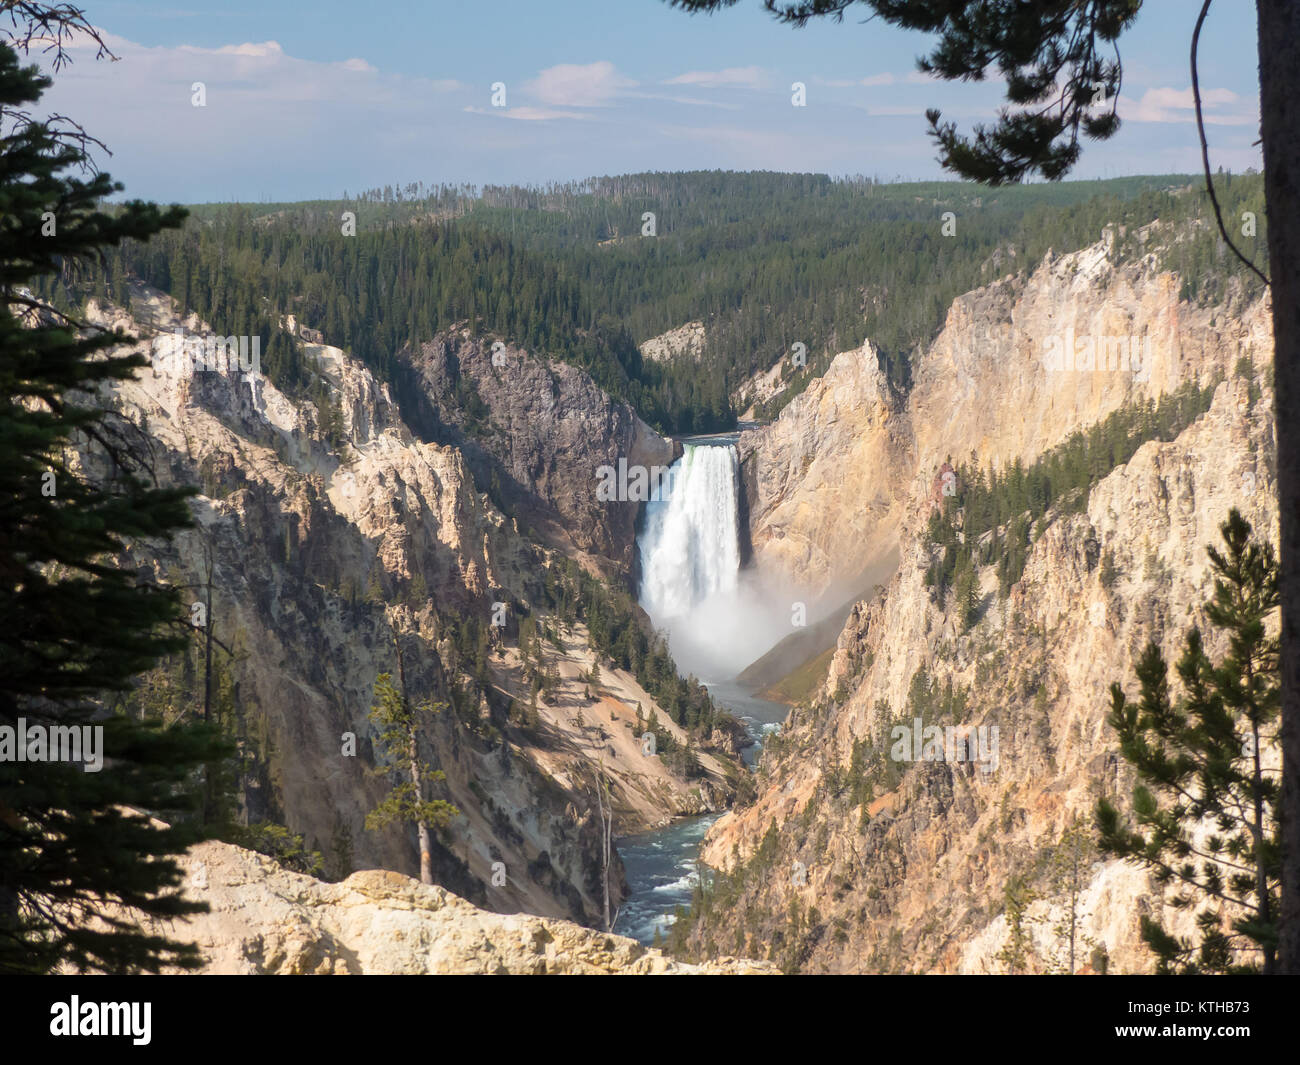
718 618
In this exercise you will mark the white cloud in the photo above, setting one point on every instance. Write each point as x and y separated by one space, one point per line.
731 78
279 125
267 49
1182 98
572 85
853 83
688 101
263 108
1178 105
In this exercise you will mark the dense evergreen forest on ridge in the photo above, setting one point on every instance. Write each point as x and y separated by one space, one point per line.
764 260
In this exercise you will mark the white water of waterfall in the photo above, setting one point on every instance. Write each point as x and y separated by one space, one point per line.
690 548
718 618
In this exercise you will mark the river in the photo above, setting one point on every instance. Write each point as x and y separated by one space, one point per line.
661 865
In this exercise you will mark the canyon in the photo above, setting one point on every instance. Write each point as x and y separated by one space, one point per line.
329 535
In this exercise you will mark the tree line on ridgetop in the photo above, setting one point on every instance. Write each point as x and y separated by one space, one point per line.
765 261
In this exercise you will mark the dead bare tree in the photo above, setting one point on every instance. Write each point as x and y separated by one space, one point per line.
51 29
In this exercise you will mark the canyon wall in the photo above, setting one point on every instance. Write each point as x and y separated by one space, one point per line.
335 536
829 483
535 433
913 876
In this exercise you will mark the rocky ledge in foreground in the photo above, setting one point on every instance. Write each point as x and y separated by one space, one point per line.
265 919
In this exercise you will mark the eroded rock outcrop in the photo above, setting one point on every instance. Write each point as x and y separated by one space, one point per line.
333 534
536 433
686 341
264 919
823 483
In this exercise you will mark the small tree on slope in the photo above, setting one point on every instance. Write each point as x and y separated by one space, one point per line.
399 723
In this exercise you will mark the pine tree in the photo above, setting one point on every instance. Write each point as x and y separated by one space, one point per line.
78 626
1018 950
1069 869
967 593
399 724
1206 805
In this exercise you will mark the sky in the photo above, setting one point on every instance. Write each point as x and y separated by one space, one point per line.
305 100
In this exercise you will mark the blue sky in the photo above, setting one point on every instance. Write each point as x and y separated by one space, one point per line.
305 100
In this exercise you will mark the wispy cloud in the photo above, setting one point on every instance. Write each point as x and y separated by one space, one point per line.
278 124
686 101
1178 105
527 114
731 78
852 83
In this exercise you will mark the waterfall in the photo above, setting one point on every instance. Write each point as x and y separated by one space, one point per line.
690 549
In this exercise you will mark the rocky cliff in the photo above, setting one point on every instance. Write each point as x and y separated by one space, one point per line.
266 920
534 434
331 535
908 871
824 483
684 342
830 481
